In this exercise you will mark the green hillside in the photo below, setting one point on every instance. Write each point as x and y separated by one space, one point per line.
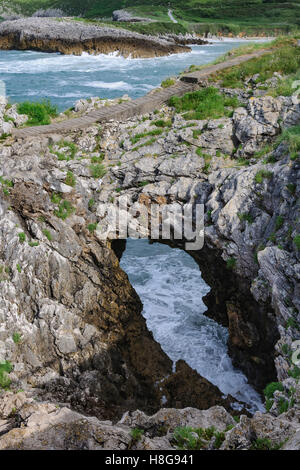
198 15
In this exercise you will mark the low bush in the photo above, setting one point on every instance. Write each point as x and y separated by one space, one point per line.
39 114
208 103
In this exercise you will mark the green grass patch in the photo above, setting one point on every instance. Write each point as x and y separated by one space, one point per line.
65 210
208 103
98 170
39 114
261 175
5 369
285 59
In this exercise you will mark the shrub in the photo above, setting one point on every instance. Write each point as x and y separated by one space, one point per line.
231 262
5 369
22 237
204 104
65 209
92 227
47 234
271 388
295 372
246 217
39 114
162 123
260 175
264 444
97 170
279 222
136 434
70 179
187 438
168 82
16 337
291 137
296 241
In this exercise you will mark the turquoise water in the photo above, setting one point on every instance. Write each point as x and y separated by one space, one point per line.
65 79
168 281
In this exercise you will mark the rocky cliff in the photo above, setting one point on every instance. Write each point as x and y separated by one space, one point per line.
75 37
72 334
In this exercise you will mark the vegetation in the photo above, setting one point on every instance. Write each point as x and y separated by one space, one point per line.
284 59
98 170
228 17
16 338
65 209
271 388
187 438
265 444
261 175
39 114
5 369
70 179
137 434
168 82
208 103
296 241
291 137
231 262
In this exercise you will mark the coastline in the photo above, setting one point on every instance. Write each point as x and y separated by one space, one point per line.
66 37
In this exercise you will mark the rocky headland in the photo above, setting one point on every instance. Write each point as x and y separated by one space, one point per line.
75 37
80 368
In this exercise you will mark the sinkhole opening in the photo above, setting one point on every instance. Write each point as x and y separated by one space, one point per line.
169 284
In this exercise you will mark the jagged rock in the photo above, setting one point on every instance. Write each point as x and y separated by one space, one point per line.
83 341
71 37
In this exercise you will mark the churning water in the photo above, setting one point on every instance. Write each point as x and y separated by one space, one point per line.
168 281
65 79
171 288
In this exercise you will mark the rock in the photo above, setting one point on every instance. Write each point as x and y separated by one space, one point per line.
126 17
71 37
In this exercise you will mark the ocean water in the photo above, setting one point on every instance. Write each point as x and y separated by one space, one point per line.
65 79
171 288
168 281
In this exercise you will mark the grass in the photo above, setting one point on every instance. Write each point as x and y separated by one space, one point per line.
69 150
22 237
137 137
261 175
284 59
296 241
291 137
265 444
98 170
187 438
5 369
136 434
267 17
168 82
39 114
65 209
16 338
208 103
271 388
70 179
47 234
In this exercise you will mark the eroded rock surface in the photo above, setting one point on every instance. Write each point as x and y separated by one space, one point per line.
71 324
71 37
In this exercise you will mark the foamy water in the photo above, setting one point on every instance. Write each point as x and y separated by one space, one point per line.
171 288
65 79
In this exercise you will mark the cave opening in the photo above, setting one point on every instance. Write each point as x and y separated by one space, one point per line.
171 288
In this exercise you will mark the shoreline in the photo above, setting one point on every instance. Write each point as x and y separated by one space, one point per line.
65 37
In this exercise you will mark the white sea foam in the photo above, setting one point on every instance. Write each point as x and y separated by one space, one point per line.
171 288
